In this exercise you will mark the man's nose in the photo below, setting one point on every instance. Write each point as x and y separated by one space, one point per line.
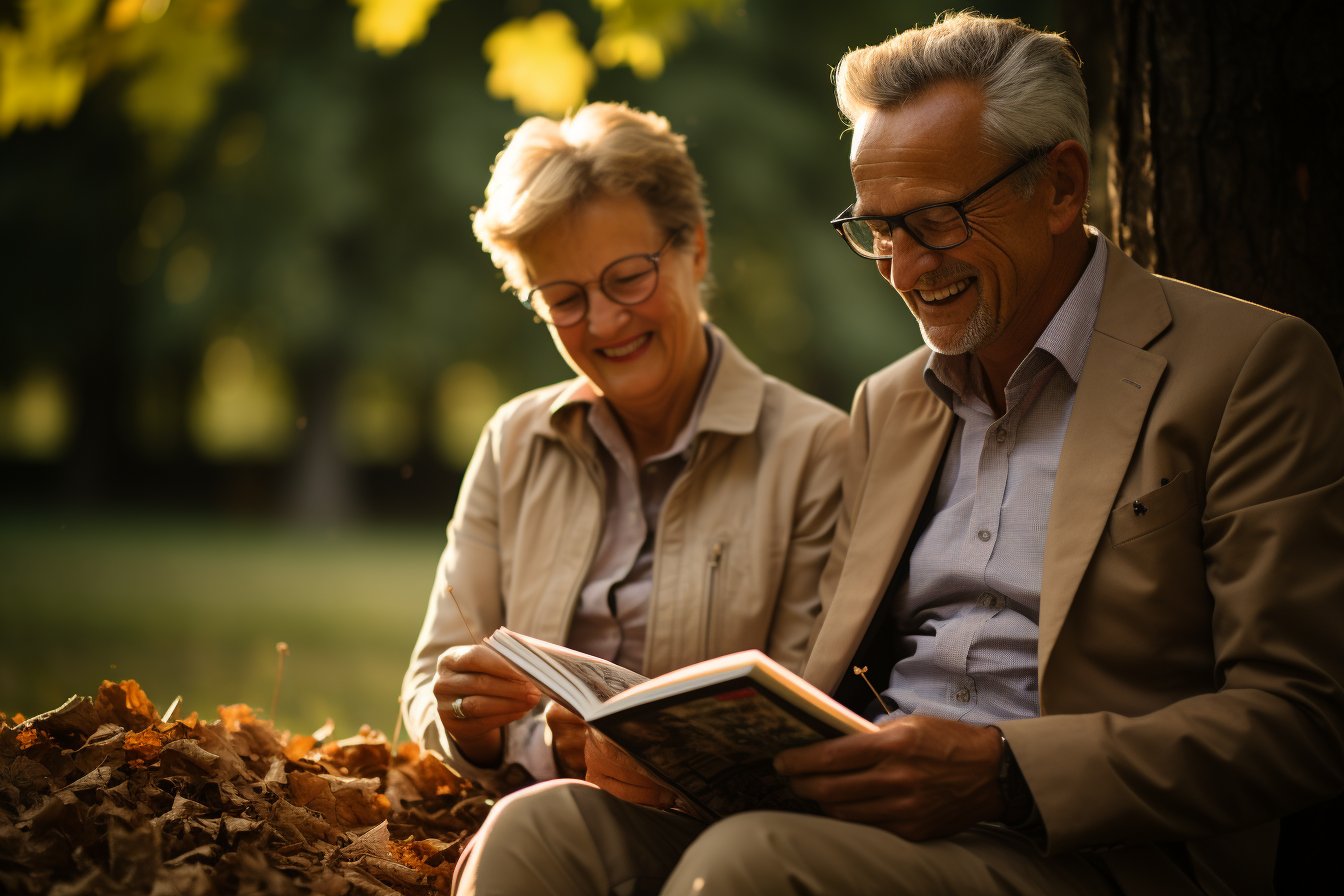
909 261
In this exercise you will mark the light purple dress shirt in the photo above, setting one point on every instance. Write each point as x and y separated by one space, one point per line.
969 611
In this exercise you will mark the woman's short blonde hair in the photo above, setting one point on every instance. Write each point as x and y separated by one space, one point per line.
549 167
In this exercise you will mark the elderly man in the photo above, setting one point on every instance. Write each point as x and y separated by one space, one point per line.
1092 535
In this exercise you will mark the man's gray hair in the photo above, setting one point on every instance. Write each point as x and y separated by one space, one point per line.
1031 80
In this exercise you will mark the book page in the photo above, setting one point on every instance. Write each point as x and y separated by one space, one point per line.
769 675
578 681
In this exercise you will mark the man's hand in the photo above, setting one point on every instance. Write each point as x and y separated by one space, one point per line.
492 695
569 737
919 777
620 776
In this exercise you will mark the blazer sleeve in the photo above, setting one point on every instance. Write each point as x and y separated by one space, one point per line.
1268 736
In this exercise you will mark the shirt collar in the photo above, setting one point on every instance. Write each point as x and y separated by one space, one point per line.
601 421
1066 338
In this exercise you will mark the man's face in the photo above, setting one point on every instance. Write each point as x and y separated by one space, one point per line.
981 296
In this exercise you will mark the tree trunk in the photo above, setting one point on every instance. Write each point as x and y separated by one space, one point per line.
1225 150
1225 143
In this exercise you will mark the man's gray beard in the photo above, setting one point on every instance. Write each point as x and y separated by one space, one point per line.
979 330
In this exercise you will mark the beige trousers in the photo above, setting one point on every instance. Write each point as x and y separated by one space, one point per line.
570 838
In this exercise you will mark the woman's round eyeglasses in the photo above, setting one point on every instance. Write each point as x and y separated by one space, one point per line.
626 281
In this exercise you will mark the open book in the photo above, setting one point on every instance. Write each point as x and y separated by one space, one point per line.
709 731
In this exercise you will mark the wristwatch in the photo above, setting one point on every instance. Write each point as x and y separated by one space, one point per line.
1018 804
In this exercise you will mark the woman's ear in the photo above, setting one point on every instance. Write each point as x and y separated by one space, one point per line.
700 245
1068 178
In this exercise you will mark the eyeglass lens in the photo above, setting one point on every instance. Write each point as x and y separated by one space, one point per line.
626 281
936 227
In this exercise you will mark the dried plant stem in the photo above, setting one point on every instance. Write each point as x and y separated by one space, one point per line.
460 612
396 731
281 650
861 672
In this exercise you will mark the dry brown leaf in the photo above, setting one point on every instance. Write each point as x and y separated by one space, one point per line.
101 796
125 704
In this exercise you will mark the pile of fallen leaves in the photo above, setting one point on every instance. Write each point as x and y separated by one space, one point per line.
105 796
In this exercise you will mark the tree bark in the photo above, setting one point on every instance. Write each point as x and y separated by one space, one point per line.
1225 148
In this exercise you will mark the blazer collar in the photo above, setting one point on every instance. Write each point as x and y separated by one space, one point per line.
1120 378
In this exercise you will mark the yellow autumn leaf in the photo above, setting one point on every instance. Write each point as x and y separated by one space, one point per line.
642 51
178 63
640 33
50 25
389 26
36 87
539 64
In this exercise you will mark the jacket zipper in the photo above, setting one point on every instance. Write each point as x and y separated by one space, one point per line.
600 485
711 584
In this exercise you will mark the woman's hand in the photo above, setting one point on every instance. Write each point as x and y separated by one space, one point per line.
569 736
479 693
621 776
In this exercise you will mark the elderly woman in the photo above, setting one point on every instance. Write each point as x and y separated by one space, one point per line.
669 504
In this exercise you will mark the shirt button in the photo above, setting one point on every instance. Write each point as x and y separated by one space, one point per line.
1000 435
983 535
963 695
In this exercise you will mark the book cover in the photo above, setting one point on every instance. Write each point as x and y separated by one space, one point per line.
709 731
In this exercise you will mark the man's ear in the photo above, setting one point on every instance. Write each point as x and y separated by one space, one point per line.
1067 177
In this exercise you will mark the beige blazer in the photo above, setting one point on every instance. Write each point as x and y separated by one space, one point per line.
741 541
1191 655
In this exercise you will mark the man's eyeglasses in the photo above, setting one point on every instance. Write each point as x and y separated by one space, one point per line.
626 281
942 225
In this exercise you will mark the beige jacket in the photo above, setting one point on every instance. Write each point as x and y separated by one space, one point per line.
740 544
1191 671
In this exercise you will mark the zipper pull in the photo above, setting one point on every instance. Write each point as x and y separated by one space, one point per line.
715 554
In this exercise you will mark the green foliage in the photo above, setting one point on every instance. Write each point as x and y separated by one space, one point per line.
319 218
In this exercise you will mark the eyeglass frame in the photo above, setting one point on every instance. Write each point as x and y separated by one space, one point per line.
895 222
526 297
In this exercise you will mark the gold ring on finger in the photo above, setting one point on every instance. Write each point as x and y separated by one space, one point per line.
458 713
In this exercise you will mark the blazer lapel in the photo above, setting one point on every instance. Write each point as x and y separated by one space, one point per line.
1117 386
907 446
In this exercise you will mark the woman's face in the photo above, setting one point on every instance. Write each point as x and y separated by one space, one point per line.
643 357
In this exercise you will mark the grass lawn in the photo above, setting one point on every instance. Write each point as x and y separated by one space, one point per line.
195 607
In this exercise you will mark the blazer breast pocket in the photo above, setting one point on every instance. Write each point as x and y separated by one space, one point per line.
1148 513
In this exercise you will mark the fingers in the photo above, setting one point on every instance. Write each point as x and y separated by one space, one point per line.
569 737
919 777
472 712
642 794
557 716
611 769
479 692
842 754
476 669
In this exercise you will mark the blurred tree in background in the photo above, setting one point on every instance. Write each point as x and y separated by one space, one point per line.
240 281
242 273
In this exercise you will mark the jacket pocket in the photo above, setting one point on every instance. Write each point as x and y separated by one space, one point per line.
1152 511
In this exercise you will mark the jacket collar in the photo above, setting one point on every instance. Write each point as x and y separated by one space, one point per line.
1120 378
